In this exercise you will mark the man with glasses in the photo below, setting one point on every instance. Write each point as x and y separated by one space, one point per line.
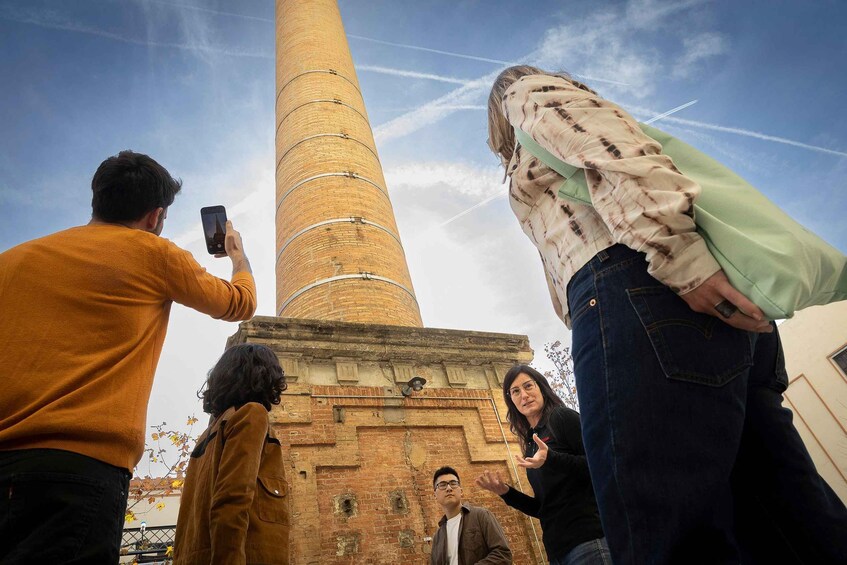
466 534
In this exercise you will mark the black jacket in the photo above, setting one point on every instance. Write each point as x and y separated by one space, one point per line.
564 498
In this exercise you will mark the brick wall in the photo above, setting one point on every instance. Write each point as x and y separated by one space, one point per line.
361 471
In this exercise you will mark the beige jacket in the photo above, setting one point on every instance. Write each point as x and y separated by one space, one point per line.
640 199
234 508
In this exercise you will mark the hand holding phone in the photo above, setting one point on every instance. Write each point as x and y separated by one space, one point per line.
214 229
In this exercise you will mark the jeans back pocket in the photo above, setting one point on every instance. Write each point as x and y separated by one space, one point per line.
690 346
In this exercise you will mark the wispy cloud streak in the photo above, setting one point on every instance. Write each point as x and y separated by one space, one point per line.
411 74
759 135
434 110
208 11
669 112
429 50
502 62
499 194
65 25
744 132
640 15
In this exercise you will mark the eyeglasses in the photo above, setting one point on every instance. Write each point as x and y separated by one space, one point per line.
528 386
444 484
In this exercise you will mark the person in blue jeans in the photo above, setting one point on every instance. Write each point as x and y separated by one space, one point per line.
680 378
555 463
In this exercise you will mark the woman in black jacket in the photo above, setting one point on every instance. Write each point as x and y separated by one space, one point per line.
555 464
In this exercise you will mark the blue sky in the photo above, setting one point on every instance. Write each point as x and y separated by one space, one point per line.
191 82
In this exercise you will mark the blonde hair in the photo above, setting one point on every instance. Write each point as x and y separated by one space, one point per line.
501 136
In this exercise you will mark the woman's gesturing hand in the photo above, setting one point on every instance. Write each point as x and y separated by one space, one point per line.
536 460
493 482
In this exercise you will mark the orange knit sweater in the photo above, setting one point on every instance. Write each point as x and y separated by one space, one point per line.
83 316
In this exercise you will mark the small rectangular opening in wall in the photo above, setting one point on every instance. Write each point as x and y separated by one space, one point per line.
338 414
840 359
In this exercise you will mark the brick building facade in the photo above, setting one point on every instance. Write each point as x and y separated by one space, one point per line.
361 450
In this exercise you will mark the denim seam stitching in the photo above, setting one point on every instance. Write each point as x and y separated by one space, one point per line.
602 272
581 312
609 416
672 371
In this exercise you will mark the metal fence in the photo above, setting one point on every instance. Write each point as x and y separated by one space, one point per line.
147 544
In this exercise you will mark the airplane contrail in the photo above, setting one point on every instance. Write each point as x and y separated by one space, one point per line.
473 57
433 109
209 11
744 132
669 112
411 74
429 50
379 41
78 28
471 209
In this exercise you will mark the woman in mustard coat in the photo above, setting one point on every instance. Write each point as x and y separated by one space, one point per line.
234 507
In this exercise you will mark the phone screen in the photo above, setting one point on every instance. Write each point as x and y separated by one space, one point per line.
214 228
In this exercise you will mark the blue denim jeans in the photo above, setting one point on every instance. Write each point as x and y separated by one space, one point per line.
594 552
692 456
60 507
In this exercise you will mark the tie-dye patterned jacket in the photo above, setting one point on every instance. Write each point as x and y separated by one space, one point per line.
640 199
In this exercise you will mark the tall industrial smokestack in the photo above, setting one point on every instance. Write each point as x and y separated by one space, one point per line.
339 255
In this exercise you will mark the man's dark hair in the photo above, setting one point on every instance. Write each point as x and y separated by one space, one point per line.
129 185
444 471
245 373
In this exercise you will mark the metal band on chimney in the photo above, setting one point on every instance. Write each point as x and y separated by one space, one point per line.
347 174
341 135
328 71
363 276
348 220
320 101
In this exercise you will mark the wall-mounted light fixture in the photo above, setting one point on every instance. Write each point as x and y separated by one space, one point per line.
414 385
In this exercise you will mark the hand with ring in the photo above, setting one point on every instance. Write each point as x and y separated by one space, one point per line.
726 308
717 297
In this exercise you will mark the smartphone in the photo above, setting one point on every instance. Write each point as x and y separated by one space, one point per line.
214 228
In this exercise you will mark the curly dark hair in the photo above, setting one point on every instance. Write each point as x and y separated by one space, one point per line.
244 373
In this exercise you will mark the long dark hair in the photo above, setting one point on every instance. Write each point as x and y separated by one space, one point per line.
244 373
517 421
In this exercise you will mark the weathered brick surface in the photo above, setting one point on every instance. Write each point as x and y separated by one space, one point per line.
385 469
323 132
361 456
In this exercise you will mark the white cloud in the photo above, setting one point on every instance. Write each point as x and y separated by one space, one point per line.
459 177
696 49
54 20
611 42
479 272
645 14
434 111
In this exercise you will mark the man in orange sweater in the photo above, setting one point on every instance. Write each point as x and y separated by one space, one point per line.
84 316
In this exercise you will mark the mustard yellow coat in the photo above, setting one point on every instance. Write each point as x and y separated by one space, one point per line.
235 506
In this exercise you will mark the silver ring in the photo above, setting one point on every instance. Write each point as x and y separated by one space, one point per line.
726 308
